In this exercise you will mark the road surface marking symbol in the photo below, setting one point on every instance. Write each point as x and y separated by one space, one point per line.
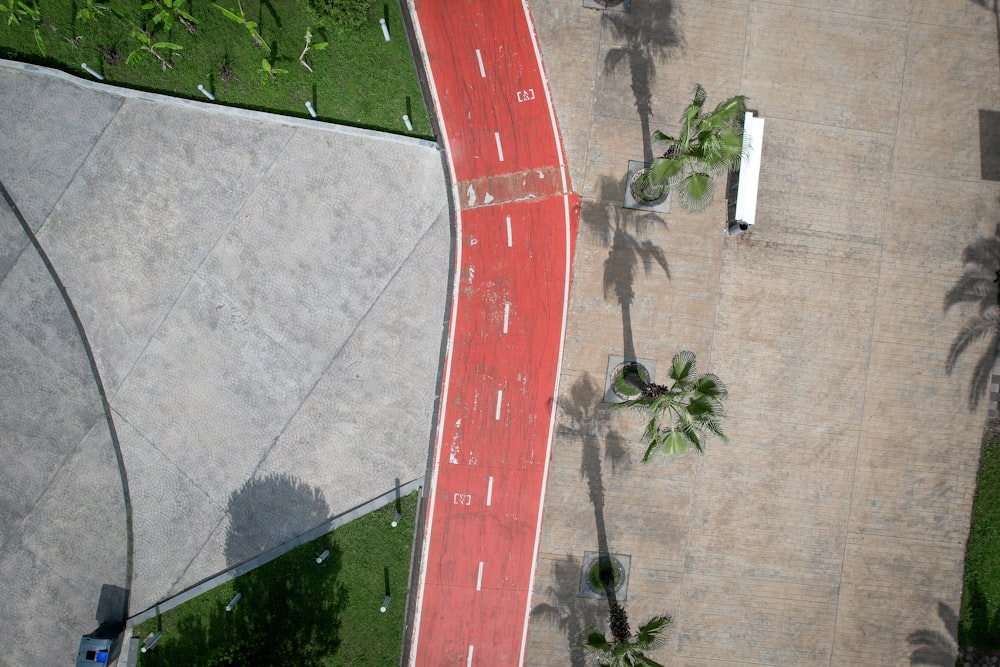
479 57
496 135
510 237
468 663
506 315
463 498
489 492
499 402
479 578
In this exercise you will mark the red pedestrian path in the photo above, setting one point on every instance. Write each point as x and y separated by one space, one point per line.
516 224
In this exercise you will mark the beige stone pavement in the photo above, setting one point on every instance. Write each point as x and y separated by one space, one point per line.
833 525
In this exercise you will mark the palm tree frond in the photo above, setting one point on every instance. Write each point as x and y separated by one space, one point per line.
709 384
660 136
682 367
648 635
698 192
595 641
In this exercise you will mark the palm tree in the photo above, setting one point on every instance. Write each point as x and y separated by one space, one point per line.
625 649
682 413
709 144
977 285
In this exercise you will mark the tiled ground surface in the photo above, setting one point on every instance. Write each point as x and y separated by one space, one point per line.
833 525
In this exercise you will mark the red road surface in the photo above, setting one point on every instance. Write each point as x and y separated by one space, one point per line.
516 224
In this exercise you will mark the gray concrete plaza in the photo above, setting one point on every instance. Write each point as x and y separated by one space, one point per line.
265 302
831 529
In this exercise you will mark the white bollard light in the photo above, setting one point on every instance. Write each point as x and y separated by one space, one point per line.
93 72
309 106
385 603
232 603
151 640
395 522
385 29
204 91
409 125
326 552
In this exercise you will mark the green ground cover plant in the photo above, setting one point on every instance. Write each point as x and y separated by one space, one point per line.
248 53
979 624
293 611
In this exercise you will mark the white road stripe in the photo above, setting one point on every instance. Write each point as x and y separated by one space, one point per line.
479 57
499 402
479 577
489 493
468 663
506 316
510 235
496 135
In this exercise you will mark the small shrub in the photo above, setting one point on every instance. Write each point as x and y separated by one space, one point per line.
343 13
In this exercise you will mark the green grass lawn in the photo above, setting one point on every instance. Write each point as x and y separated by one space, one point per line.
359 79
295 612
980 619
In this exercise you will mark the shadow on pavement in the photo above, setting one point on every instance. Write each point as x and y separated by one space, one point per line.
621 231
649 32
112 610
584 422
931 647
989 144
268 511
978 286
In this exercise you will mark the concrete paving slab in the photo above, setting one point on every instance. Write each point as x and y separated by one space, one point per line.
48 138
265 300
133 225
62 510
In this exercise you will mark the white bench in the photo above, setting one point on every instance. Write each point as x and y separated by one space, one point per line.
748 173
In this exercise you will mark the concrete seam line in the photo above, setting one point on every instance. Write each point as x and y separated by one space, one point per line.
218 109
280 550
105 405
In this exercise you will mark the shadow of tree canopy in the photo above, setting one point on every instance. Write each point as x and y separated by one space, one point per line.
648 32
931 647
977 286
268 511
621 231
288 615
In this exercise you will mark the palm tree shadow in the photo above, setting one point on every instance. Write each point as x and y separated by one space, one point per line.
649 32
978 285
571 613
583 420
621 231
931 647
